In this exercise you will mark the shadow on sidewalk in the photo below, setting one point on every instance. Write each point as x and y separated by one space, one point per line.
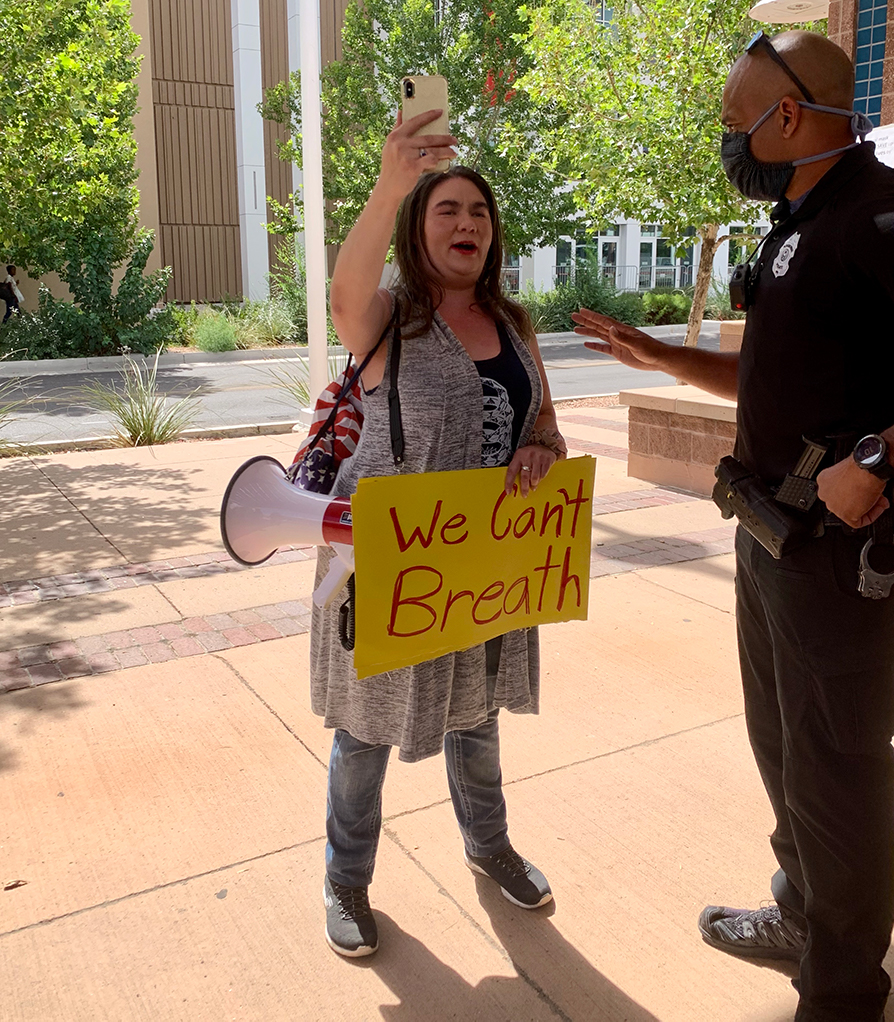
430 990
141 507
23 711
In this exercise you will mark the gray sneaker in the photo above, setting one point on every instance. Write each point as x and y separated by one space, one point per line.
522 883
350 924
763 933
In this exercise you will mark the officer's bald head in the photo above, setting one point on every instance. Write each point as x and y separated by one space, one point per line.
821 65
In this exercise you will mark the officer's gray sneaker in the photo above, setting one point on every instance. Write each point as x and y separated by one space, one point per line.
350 924
763 933
522 883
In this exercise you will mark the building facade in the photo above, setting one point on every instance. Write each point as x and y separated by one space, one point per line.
207 159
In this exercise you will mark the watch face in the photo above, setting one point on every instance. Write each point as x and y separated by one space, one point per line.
869 451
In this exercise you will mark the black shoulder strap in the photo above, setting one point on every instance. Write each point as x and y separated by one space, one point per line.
347 386
396 422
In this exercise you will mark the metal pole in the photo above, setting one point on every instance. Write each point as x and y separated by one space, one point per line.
314 211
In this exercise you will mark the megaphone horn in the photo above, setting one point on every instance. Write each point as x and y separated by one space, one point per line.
262 511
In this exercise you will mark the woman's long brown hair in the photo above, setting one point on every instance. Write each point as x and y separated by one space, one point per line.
418 294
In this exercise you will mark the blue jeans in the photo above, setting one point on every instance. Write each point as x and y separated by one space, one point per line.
354 799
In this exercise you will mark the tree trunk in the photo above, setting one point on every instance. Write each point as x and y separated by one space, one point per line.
708 236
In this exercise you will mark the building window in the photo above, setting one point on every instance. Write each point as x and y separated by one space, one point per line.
511 274
604 13
872 17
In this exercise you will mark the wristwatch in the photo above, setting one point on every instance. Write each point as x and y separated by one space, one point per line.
871 454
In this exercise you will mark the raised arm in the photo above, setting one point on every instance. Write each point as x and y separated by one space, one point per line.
715 372
359 307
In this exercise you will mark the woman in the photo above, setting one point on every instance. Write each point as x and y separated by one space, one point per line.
473 393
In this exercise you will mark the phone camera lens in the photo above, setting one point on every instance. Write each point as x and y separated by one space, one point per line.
408 89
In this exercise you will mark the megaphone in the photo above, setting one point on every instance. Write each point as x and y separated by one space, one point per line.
263 510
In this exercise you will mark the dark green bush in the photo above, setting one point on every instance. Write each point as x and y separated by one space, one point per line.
661 308
98 320
551 311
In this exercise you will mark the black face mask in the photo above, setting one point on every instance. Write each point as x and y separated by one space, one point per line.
768 182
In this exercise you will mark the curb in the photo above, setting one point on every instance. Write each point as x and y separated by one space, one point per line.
112 363
107 443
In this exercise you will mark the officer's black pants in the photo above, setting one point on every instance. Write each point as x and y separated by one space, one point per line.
818 673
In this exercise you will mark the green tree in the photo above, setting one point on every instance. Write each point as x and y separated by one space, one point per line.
641 97
67 99
478 48
68 95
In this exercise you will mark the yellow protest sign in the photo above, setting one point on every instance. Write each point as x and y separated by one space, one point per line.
446 560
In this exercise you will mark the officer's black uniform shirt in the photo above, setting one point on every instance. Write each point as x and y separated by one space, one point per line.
817 357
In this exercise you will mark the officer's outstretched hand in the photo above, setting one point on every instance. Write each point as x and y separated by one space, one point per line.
628 345
852 493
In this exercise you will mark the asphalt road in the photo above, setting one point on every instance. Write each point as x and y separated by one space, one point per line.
241 392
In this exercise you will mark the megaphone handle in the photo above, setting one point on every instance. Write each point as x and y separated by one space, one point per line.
340 570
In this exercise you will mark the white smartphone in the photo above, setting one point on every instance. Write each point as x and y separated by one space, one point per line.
420 93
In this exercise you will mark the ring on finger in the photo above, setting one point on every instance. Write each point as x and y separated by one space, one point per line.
526 468
423 153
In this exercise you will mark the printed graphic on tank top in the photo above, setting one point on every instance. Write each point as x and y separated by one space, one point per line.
506 393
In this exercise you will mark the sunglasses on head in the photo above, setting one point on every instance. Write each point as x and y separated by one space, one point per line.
760 40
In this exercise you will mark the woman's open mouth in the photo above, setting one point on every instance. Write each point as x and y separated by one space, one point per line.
465 247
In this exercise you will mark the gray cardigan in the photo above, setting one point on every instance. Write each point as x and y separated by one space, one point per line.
412 708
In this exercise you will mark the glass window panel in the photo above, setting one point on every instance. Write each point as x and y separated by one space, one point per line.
876 69
863 53
645 253
861 90
874 107
864 36
862 72
880 15
878 33
864 19
878 51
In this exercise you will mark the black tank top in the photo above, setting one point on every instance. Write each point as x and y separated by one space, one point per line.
506 390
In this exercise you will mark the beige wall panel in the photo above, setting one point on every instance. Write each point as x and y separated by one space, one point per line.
332 14
196 147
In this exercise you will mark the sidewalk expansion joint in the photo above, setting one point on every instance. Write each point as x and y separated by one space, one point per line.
179 882
488 938
657 740
273 712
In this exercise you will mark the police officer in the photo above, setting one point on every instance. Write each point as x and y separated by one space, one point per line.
817 657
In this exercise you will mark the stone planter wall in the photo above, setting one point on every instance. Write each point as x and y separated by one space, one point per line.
677 435
731 331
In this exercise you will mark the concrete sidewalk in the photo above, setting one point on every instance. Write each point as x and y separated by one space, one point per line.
162 819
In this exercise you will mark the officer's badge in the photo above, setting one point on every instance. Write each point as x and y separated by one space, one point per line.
784 257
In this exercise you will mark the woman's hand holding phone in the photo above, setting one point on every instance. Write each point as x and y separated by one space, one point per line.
407 155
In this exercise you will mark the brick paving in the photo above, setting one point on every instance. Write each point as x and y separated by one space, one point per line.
617 425
130 576
194 636
155 644
599 450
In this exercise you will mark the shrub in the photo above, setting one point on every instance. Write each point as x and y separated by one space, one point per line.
718 304
214 332
97 321
661 308
140 414
551 311
264 323
289 284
